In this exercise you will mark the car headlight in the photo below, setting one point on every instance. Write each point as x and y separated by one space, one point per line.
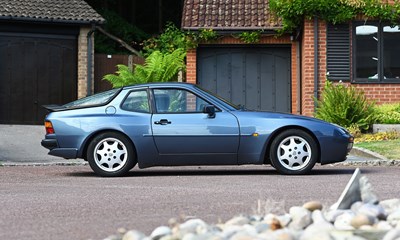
341 129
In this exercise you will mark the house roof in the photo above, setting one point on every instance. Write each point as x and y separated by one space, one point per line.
229 15
63 11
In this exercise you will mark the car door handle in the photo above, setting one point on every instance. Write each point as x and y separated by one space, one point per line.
162 122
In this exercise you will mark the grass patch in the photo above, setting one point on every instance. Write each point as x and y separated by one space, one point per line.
388 148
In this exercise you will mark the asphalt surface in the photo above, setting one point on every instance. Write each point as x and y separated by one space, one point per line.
70 202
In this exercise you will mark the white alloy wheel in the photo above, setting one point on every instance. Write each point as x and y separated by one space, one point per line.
110 154
294 153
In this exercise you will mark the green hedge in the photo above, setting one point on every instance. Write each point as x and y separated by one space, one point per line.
388 113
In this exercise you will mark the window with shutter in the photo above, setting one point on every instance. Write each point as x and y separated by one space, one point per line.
338 52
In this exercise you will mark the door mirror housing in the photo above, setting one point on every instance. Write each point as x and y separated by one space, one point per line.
210 110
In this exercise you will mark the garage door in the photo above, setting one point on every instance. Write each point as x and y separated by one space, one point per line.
256 77
35 70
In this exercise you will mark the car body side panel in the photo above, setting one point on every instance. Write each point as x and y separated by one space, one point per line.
258 128
196 139
74 130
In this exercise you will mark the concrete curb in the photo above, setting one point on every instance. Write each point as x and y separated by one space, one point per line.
362 152
55 163
371 163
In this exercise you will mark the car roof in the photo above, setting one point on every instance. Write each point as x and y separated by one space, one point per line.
161 84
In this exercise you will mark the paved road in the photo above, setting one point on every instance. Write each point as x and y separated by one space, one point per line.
70 202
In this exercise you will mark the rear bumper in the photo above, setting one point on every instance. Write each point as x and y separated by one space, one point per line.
49 143
55 150
68 153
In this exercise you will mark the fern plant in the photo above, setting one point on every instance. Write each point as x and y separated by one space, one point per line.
158 67
345 106
123 77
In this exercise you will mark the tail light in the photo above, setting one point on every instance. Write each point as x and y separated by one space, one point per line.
49 127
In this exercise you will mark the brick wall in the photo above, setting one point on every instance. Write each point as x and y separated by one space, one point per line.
308 66
191 58
380 93
82 62
191 73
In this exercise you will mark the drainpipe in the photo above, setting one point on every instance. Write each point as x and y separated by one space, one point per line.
298 77
90 60
315 60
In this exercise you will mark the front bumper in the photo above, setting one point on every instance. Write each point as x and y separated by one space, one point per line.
350 144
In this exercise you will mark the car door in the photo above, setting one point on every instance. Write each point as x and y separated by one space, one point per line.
184 135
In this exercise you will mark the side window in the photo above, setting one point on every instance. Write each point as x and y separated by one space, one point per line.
137 101
178 101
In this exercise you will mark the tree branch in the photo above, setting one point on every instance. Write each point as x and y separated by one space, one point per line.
120 41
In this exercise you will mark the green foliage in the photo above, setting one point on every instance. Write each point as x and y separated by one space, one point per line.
161 67
121 28
388 148
388 113
374 137
158 67
250 37
123 77
173 38
207 35
293 12
345 106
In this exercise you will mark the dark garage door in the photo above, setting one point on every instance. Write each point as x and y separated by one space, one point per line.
256 77
35 70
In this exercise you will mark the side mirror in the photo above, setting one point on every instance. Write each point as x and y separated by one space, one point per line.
210 110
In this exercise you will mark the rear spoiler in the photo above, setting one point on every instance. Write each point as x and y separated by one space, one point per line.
54 108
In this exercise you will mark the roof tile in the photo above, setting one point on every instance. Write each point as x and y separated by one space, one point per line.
49 10
228 15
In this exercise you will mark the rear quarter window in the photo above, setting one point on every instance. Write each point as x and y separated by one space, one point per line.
94 100
136 101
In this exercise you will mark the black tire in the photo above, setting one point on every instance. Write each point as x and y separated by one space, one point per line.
293 152
111 154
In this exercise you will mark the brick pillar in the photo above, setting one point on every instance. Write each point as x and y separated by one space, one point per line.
191 76
82 62
307 68
307 63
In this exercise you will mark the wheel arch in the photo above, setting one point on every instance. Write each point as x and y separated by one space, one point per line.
278 131
83 150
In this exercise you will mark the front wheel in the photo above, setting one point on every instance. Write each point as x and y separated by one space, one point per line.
293 152
111 154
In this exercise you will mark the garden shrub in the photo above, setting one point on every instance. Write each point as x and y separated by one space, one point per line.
388 113
345 106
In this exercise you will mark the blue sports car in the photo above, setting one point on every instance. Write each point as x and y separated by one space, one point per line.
177 124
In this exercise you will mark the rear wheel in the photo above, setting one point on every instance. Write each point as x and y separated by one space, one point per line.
111 154
293 152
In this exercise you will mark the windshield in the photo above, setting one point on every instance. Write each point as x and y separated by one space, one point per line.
222 100
96 99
